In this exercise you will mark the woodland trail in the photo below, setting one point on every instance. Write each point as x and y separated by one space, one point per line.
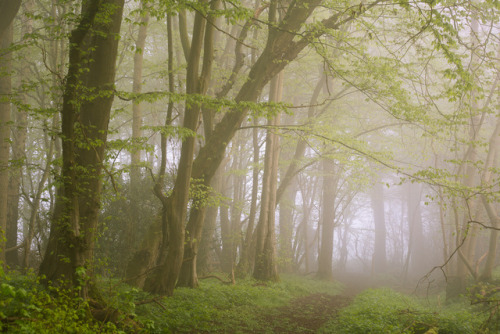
302 315
306 314
309 313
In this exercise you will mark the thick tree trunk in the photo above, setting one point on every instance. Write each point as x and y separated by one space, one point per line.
85 117
204 263
8 11
206 247
145 258
6 36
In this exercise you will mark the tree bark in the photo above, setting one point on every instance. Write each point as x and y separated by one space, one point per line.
492 212
135 154
325 258
246 262
6 36
265 267
163 280
87 101
8 11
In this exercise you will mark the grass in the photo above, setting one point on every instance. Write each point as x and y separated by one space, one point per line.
227 308
246 307
387 311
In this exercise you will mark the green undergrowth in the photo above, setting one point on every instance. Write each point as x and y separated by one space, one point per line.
27 307
216 307
245 307
387 311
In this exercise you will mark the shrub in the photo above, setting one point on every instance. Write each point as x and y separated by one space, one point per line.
27 307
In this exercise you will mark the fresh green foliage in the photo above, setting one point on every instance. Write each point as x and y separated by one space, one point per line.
486 296
387 311
26 307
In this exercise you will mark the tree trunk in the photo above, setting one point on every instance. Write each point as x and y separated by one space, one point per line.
6 36
206 248
145 258
135 154
466 172
85 114
492 212
225 231
325 259
246 262
8 11
286 207
416 257
379 259
265 267
163 280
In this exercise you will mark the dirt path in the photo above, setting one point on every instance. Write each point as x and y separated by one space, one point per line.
304 315
308 314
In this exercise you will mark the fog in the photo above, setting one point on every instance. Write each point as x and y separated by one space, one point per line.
333 140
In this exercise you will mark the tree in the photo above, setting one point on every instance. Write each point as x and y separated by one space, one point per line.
265 267
87 100
8 10
379 260
281 48
135 154
163 280
328 216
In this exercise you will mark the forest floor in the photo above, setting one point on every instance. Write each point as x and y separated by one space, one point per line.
304 315
309 313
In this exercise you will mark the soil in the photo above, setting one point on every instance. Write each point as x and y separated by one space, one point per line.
304 315
308 314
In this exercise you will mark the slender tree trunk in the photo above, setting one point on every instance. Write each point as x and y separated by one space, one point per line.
464 238
325 259
225 230
135 154
416 257
35 205
19 135
286 207
85 119
379 259
265 267
247 252
492 212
